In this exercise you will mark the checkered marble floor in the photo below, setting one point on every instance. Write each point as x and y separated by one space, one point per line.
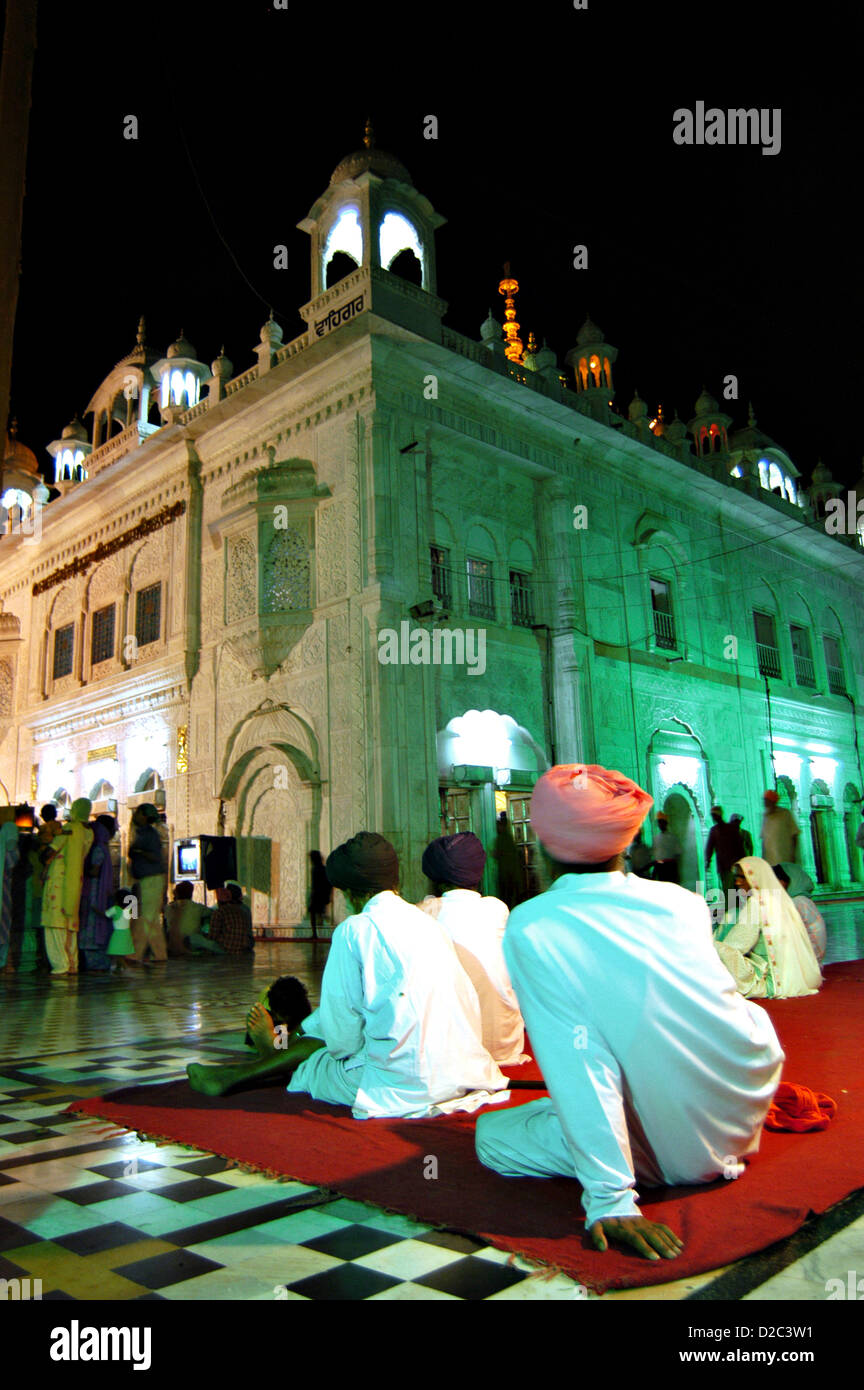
96 1213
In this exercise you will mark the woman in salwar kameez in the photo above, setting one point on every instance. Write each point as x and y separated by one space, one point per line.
61 899
767 951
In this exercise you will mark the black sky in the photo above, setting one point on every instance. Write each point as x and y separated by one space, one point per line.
555 128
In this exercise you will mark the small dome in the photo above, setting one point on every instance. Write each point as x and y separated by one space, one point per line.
490 329
637 409
75 430
17 455
181 348
379 162
545 358
676 430
821 474
589 333
706 404
271 332
222 366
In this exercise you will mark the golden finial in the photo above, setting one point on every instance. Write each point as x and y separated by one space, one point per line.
509 287
369 134
139 336
532 343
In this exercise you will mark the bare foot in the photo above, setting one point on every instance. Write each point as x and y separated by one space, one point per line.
261 1030
210 1081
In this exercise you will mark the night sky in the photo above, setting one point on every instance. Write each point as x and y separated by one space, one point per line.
555 128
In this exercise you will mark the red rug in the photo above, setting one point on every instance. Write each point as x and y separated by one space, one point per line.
387 1162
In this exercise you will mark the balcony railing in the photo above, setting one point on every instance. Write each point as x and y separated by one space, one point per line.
441 583
521 606
836 680
769 660
805 672
664 630
481 597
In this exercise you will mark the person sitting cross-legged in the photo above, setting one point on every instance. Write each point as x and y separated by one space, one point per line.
397 1031
454 865
657 1069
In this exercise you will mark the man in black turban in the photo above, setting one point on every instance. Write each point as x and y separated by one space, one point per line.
454 865
364 866
397 1032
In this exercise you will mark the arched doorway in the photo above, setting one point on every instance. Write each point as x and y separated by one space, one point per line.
272 788
851 822
274 830
683 824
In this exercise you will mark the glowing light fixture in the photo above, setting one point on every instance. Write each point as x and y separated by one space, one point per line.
346 235
510 288
397 234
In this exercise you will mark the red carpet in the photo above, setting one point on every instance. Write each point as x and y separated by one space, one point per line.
384 1161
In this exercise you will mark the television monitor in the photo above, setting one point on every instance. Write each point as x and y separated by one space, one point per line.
187 861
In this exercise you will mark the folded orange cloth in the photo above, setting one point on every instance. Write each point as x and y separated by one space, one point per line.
799 1108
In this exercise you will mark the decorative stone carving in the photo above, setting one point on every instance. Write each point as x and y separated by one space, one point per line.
331 552
241 580
286 572
6 688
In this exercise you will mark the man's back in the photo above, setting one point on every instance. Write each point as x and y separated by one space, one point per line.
628 1005
476 927
396 1001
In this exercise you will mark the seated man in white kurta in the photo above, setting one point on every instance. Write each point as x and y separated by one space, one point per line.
454 865
397 1032
657 1068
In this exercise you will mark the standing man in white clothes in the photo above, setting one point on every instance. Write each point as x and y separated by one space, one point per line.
657 1068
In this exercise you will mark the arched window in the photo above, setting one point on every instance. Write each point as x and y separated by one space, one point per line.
397 234
763 472
775 478
345 236
177 387
339 266
407 267
608 370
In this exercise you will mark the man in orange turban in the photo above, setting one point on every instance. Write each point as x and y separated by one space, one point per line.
657 1068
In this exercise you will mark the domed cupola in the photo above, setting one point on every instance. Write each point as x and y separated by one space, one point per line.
823 487
123 399
709 426
69 453
180 376
22 491
372 246
591 362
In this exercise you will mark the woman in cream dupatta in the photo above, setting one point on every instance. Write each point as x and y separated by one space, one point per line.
767 951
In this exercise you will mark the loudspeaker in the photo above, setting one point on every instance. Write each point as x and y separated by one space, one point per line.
219 859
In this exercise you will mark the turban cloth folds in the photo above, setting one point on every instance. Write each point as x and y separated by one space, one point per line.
458 859
366 864
585 814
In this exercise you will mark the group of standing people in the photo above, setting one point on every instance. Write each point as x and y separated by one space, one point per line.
64 907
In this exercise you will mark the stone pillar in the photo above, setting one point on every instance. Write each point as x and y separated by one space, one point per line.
193 564
568 651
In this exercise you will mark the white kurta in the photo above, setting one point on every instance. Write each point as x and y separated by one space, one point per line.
636 1026
397 1006
476 927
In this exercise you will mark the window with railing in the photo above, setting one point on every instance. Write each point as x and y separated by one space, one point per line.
834 665
102 635
481 595
439 559
767 651
661 607
802 655
521 599
64 648
148 614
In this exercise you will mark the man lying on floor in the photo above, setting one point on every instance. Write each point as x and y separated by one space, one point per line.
657 1068
397 1032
